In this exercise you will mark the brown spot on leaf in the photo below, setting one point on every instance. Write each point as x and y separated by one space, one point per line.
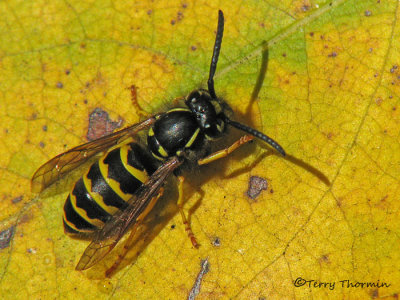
31 250
378 101
375 293
180 16
25 218
100 124
17 199
256 185
6 236
324 258
216 242
330 135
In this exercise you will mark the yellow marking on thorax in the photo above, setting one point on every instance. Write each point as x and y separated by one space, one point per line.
178 109
151 132
193 138
162 151
158 157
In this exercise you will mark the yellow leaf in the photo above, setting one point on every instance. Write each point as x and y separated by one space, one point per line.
328 224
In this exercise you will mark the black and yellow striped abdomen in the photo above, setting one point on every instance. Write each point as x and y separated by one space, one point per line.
107 187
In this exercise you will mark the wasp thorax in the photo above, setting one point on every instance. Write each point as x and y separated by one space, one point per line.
207 111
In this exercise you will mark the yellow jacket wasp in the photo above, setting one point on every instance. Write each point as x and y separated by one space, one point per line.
121 188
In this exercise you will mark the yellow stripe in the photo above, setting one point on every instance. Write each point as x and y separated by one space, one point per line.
178 109
83 214
72 225
98 198
162 151
151 132
193 138
113 184
156 156
140 175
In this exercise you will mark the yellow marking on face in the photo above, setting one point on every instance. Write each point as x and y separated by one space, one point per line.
221 127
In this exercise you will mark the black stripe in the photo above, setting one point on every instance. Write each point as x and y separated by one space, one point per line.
154 145
116 170
100 186
72 216
85 201
139 157
68 229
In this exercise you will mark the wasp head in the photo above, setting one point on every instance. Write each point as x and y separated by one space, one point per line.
208 112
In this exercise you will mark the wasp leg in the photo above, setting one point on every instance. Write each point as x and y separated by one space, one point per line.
225 152
139 109
188 229
129 242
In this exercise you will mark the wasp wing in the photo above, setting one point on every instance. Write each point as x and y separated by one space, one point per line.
106 239
63 163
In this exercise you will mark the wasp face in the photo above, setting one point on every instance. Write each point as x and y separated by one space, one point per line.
208 113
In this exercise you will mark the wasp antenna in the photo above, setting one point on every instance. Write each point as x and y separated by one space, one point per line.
256 134
217 49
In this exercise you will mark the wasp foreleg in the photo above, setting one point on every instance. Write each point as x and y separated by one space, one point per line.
225 152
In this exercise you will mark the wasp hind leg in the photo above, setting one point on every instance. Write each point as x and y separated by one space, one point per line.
129 242
188 229
225 152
